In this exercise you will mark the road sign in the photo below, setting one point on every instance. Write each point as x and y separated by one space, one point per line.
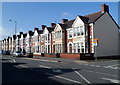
95 41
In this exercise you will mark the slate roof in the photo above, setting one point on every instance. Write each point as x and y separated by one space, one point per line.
86 18
69 23
24 35
18 36
94 16
14 37
50 29
40 31
63 26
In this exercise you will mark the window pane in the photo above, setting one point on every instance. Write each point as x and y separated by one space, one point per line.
78 45
78 31
82 30
70 33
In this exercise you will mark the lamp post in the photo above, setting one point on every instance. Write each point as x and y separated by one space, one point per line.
15 25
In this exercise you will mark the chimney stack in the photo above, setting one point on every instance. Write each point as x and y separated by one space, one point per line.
64 20
105 8
36 29
21 33
43 27
52 24
29 31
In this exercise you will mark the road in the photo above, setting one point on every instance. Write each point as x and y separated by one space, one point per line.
20 70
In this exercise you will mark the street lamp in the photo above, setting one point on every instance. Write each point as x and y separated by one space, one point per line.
15 25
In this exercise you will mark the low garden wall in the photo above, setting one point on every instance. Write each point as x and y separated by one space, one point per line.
79 56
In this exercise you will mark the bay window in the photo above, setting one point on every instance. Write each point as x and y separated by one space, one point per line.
70 33
81 30
74 44
78 31
82 47
78 45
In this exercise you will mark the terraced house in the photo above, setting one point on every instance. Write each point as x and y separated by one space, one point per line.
92 35
36 41
58 38
13 43
46 38
28 39
22 42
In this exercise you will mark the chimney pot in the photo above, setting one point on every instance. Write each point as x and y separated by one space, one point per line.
52 24
43 27
64 20
21 33
36 29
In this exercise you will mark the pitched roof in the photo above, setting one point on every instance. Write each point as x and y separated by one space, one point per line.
14 37
86 18
69 23
24 35
50 29
94 16
40 31
63 26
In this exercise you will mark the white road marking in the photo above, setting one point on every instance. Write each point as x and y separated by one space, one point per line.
98 66
92 65
111 67
41 60
114 67
86 64
81 76
112 80
64 78
14 60
23 66
56 70
44 66
101 73
53 74
105 66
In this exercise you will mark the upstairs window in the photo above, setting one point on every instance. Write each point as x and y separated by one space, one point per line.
74 31
60 33
38 39
70 33
82 47
78 31
81 30
42 38
48 37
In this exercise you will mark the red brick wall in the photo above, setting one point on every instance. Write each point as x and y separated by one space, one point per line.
91 39
76 56
70 55
51 43
67 41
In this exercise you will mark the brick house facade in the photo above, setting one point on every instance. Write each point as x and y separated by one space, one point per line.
88 34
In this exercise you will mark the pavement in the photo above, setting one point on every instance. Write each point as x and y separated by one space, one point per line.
45 70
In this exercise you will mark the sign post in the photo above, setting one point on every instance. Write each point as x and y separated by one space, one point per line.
95 43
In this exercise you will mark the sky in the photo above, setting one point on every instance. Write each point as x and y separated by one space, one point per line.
34 14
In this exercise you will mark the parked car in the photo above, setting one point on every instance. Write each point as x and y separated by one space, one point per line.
6 53
17 54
